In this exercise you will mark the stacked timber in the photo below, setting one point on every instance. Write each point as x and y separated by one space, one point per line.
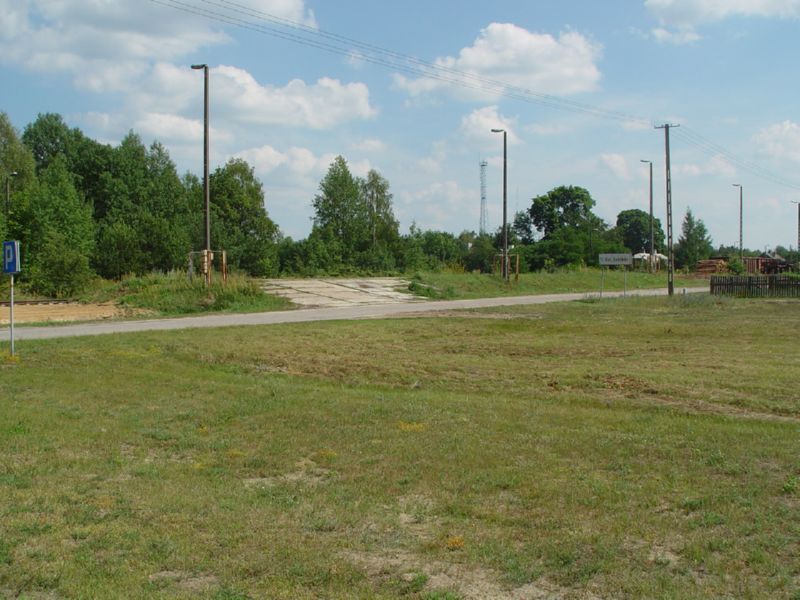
712 266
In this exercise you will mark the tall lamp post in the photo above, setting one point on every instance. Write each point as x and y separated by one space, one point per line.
652 233
505 200
206 191
798 223
741 248
8 191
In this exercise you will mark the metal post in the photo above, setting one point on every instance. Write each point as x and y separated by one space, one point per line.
206 190
741 214
741 249
652 230
505 205
505 201
651 264
11 315
670 254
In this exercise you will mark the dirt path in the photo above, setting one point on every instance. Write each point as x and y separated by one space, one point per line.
52 313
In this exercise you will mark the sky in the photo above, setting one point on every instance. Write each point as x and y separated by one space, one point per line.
413 88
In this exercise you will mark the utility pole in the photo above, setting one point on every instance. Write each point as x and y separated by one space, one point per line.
206 190
482 226
741 248
670 253
652 233
505 201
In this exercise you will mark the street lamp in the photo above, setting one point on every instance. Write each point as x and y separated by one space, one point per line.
505 200
798 223
741 250
206 191
8 191
652 234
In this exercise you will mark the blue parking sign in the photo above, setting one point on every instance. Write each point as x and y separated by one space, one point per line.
11 258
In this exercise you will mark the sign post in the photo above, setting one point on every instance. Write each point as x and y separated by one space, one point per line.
610 260
11 267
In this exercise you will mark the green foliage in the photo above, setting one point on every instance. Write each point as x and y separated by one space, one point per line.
694 243
118 250
522 227
59 269
240 224
481 255
564 206
634 229
736 266
175 294
59 234
341 218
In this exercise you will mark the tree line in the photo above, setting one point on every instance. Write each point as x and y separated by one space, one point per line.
82 208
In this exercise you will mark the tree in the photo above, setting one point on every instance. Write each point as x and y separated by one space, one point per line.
15 157
634 229
565 206
481 254
341 217
240 224
522 228
60 236
375 194
86 160
142 193
694 243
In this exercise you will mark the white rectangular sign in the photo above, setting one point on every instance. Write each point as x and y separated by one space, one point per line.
608 260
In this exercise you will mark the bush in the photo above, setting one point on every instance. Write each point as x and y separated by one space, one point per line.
59 270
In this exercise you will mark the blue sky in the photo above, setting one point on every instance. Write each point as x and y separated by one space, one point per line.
722 69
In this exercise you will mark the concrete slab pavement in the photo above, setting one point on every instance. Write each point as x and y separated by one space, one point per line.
332 293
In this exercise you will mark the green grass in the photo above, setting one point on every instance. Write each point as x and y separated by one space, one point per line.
645 448
444 285
173 294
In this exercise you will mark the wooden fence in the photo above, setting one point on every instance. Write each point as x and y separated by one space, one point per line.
756 286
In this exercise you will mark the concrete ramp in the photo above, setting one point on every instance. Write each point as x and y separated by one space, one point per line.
334 292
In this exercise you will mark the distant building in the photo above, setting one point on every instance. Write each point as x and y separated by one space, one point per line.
767 264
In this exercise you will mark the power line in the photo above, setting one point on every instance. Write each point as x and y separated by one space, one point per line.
238 15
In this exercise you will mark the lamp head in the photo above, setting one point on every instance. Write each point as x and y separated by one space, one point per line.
736 185
649 162
197 67
498 130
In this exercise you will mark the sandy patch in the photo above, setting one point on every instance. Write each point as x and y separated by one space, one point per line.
195 584
471 583
306 472
43 313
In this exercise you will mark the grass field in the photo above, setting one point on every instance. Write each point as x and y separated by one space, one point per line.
445 285
645 448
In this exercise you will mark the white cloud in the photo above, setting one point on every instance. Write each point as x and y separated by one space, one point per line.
434 206
689 13
716 165
781 141
319 106
679 18
678 37
552 129
479 123
369 145
171 127
617 164
299 161
105 45
515 56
